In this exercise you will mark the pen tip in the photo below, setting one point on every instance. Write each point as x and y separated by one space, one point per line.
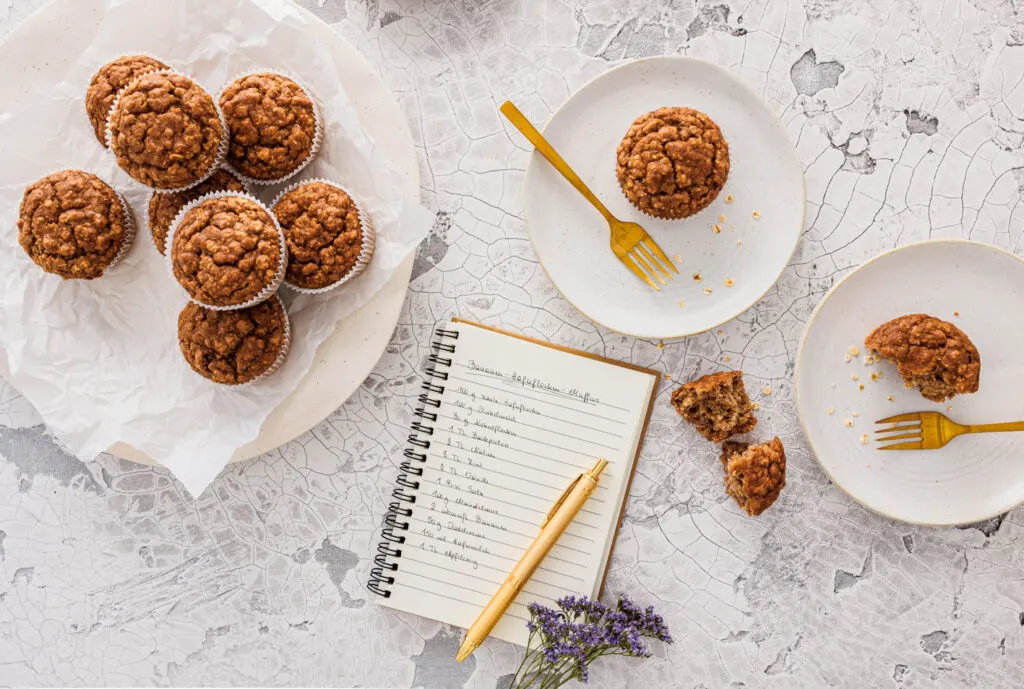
466 650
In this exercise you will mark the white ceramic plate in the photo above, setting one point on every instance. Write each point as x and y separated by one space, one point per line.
571 239
40 48
974 477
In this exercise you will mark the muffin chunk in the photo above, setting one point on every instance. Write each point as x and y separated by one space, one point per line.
755 475
165 131
272 123
72 224
233 347
717 405
108 82
672 162
324 233
226 251
930 354
164 206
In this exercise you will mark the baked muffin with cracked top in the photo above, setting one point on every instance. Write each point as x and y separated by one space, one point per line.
930 354
234 347
273 125
107 82
717 405
329 240
73 224
227 252
164 206
672 162
166 132
755 474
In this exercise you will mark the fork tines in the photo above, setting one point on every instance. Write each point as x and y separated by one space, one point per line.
901 430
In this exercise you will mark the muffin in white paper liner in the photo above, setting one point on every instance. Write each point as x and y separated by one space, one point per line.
318 131
264 293
365 224
281 355
147 220
116 57
222 147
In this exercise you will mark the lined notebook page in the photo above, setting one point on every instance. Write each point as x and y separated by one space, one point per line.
517 422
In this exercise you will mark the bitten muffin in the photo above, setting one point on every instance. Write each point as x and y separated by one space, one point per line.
107 82
234 347
672 162
717 405
273 126
165 131
227 252
325 235
73 224
755 474
930 354
165 205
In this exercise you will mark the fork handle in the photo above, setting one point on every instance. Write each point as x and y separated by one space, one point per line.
997 427
545 149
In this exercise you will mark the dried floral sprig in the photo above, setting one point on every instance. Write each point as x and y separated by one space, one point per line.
581 630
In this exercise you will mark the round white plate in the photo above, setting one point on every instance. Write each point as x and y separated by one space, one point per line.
974 477
572 240
40 48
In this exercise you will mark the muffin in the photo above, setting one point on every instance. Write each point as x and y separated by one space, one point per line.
755 474
672 162
717 405
227 251
107 82
234 347
329 240
274 126
166 131
73 224
165 205
930 354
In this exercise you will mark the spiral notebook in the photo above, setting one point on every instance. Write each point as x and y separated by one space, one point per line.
504 424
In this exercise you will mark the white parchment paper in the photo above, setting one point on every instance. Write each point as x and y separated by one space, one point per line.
99 359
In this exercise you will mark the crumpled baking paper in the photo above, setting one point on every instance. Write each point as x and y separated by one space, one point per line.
99 359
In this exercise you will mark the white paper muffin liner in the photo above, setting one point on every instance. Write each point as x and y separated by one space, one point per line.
281 356
365 224
318 131
129 53
145 207
267 291
222 148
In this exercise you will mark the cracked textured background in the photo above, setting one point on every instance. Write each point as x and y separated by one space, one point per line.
909 119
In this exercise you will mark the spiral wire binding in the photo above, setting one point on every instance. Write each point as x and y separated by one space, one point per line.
412 467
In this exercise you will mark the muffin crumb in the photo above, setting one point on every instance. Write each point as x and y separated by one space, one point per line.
729 282
864 438
707 290
848 423
757 215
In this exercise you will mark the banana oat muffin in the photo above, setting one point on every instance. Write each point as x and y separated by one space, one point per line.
930 354
328 242
108 82
164 205
672 162
166 132
273 125
755 474
717 405
227 252
234 347
72 224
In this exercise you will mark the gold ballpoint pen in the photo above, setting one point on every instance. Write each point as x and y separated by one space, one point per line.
558 519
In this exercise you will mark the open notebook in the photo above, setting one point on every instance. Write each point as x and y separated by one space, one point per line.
505 423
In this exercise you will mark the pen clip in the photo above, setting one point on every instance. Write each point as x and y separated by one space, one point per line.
561 499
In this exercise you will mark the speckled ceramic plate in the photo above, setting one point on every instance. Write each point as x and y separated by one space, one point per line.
748 254
38 50
980 289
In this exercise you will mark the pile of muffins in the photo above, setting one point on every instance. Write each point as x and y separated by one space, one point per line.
225 247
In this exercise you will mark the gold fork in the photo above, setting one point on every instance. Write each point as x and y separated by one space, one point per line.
629 241
932 430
